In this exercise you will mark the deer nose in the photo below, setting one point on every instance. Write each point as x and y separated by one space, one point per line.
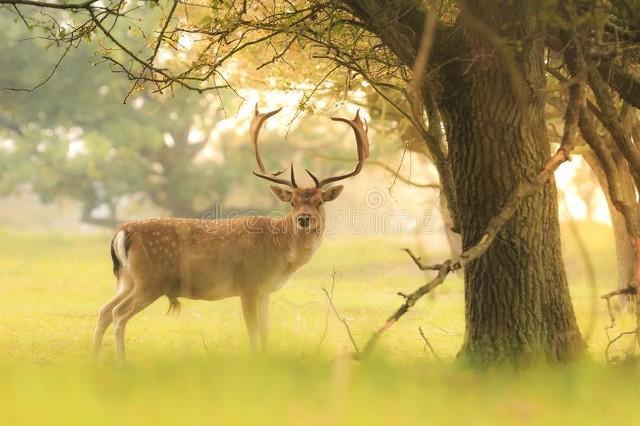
304 220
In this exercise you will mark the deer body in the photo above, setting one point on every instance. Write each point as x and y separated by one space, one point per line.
248 257
206 259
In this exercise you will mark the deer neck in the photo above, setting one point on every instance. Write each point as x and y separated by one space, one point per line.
301 244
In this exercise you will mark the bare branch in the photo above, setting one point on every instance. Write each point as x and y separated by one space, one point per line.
618 292
48 5
326 315
419 264
46 79
337 314
428 344
624 83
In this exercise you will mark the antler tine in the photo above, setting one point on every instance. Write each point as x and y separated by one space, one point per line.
274 179
315 179
293 177
257 122
360 130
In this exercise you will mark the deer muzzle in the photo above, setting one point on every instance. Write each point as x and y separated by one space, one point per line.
304 221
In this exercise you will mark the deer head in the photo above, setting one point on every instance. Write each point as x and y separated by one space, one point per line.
307 210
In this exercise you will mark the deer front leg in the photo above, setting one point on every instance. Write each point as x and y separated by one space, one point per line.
263 319
250 313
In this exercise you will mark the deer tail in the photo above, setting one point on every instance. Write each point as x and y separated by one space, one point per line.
119 247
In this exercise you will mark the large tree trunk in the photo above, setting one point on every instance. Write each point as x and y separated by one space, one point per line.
517 299
517 303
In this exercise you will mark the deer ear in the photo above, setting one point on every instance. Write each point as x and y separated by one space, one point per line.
282 194
332 193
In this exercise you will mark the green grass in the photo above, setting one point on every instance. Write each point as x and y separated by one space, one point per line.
196 368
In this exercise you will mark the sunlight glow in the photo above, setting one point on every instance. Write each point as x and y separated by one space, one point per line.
138 102
601 211
576 205
165 55
8 145
196 135
168 140
573 204
186 40
77 147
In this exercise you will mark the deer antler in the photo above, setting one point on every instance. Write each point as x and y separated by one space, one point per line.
360 129
254 129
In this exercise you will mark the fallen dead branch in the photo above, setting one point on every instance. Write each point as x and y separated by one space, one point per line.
337 314
326 315
428 344
611 340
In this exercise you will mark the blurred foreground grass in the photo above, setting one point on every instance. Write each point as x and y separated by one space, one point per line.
195 368
244 391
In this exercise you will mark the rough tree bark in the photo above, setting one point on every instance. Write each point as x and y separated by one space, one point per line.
517 299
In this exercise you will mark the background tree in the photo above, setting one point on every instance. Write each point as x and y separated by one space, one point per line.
73 137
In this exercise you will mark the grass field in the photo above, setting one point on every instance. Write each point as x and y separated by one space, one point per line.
195 368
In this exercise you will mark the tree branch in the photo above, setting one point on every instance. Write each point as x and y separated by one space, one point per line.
624 83
47 5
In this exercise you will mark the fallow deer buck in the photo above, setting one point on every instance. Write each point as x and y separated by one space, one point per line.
248 257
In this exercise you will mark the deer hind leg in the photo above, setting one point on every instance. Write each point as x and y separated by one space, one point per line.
132 304
250 313
263 320
105 315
